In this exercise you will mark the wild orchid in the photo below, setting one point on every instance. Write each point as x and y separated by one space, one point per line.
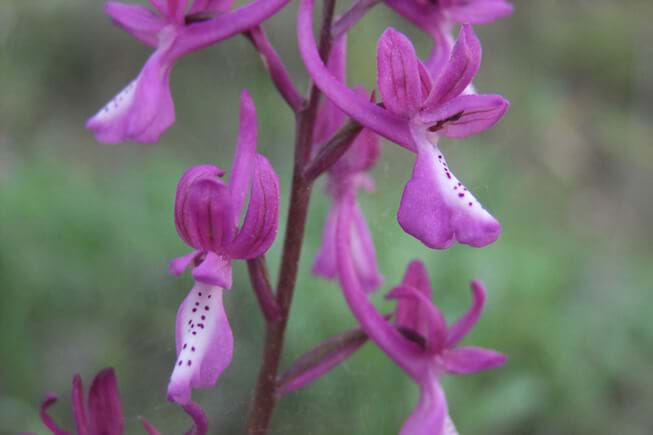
337 133
437 17
344 179
436 207
207 212
144 109
420 341
102 414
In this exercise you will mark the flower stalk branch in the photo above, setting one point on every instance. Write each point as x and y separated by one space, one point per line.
331 152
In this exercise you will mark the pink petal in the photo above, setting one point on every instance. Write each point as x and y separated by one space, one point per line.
426 321
459 71
79 407
176 9
104 408
206 220
429 417
204 342
363 253
196 412
464 360
462 326
143 110
398 74
361 156
465 115
262 219
214 270
138 20
218 6
437 209
360 109
244 163
180 264
50 399
478 11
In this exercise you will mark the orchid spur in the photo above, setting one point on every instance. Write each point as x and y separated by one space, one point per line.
144 109
420 341
102 413
417 110
436 18
345 177
207 212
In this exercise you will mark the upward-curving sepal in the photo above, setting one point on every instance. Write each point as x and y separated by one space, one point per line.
204 342
104 408
437 209
478 11
459 71
138 20
218 6
262 219
244 163
398 74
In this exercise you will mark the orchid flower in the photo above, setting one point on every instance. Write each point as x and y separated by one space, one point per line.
344 179
144 109
420 341
102 414
437 17
207 212
436 207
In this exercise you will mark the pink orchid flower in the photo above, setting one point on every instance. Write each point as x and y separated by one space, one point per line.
207 213
144 109
417 110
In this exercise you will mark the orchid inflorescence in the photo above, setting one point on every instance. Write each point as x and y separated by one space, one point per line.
416 103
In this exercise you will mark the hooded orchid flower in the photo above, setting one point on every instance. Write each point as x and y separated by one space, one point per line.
437 17
417 110
344 178
420 341
144 109
102 413
207 213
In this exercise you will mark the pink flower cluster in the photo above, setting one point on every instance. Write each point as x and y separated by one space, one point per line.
419 102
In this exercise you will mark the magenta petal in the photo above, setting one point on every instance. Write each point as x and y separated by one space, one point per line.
462 326
79 407
460 70
214 270
104 409
366 113
363 253
138 20
426 320
478 11
464 360
180 264
465 115
143 110
204 342
262 219
430 415
437 209
176 10
50 399
411 315
195 411
218 6
245 155
398 74
361 156
207 217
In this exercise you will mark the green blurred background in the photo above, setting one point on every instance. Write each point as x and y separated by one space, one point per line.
86 230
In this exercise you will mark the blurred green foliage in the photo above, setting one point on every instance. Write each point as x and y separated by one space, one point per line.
86 230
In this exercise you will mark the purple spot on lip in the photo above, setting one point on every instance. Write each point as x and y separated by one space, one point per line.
200 293
203 317
461 195
448 175
206 307
194 332
470 204
209 296
180 362
455 188
194 310
192 349
189 363
185 345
